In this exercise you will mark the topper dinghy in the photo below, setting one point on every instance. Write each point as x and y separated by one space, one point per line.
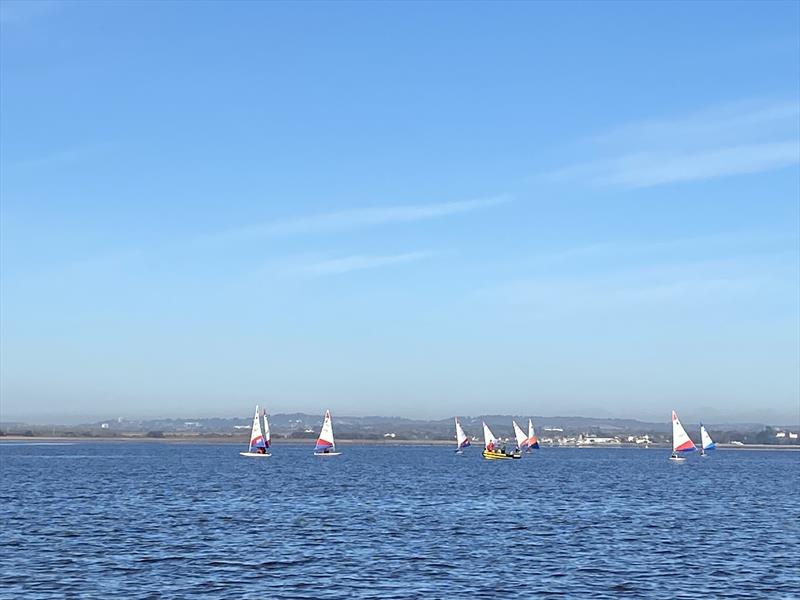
258 441
533 441
326 446
706 443
461 438
681 442
522 439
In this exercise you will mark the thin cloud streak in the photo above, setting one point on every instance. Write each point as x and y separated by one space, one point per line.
361 262
358 219
648 171
727 141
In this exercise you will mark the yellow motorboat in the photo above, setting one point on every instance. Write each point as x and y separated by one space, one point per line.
490 447
499 455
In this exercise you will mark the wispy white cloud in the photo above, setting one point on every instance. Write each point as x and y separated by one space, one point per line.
361 262
730 140
357 219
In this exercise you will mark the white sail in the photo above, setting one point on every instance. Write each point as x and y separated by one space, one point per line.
681 442
705 439
325 440
461 438
267 435
520 435
257 436
489 441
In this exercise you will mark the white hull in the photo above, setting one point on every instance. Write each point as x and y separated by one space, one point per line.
254 454
327 453
677 458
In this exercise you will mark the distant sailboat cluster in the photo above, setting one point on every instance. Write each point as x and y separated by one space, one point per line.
682 444
260 438
493 447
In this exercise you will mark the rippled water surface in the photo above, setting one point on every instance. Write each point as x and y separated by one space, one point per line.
141 520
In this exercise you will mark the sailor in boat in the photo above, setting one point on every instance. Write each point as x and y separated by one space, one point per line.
261 450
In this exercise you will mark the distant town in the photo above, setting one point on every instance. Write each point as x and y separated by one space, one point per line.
552 431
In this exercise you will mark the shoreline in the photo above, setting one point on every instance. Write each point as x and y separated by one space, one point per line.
22 440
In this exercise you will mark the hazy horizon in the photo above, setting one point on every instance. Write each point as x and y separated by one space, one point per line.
409 208
687 414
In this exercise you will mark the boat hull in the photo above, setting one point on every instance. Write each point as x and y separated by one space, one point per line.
254 454
678 458
327 453
500 455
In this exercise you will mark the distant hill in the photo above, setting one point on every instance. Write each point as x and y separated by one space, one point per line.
303 425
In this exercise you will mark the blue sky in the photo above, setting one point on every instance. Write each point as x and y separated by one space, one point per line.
400 208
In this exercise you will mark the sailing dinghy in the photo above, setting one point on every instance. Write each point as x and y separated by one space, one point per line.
490 448
326 446
681 442
258 441
706 443
522 439
461 438
533 441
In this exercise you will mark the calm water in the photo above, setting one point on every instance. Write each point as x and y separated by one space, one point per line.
145 520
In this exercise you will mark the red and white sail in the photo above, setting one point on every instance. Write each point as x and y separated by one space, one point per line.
489 441
522 439
257 439
325 440
461 438
532 441
681 442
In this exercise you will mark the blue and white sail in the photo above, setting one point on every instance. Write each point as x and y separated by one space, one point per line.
706 441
